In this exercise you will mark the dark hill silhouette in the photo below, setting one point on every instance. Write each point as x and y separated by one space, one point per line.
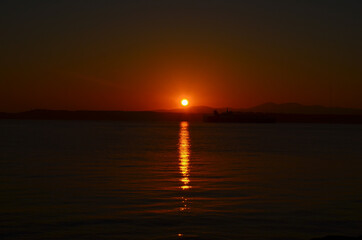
296 108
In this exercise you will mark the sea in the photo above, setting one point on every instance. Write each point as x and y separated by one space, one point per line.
179 180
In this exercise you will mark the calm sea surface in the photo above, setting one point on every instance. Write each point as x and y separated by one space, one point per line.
118 180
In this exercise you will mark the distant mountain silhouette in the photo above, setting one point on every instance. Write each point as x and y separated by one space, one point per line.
286 108
296 108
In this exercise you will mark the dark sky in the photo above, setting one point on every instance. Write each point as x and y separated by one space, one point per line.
141 55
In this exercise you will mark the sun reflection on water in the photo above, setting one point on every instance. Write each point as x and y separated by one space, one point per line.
184 155
184 161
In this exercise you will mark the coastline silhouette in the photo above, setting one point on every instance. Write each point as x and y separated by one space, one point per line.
265 113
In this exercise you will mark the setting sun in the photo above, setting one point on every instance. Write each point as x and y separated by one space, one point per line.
184 102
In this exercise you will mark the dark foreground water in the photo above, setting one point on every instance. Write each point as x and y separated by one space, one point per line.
116 180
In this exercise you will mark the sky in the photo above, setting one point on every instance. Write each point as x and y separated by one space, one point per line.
145 55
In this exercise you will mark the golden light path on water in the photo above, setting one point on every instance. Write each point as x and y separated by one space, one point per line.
184 161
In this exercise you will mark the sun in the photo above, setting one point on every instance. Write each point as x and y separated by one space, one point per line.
184 102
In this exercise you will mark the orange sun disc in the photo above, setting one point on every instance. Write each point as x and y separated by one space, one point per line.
184 102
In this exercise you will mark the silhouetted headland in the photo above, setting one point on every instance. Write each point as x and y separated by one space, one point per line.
102 115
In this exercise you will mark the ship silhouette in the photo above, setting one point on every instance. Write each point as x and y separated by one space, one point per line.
239 117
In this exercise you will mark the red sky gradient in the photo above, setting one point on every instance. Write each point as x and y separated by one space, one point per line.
144 56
